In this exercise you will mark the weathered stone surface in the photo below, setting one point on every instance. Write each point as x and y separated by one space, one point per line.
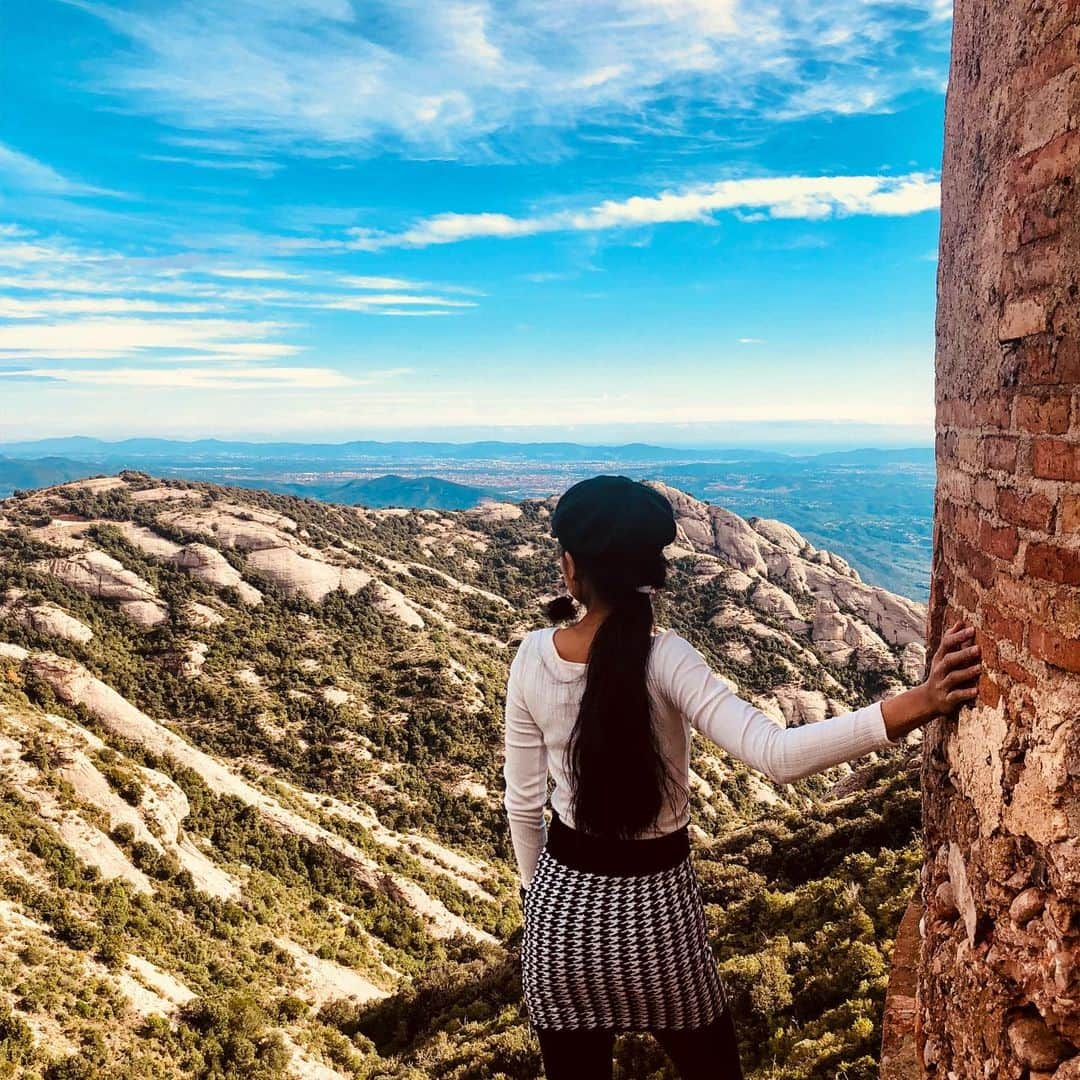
1067 1070
1035 1045
999 993
1026 906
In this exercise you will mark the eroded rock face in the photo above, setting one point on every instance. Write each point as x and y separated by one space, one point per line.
46 618
208 564
999 969
764 553
102 576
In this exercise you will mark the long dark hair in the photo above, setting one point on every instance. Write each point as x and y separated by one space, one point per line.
618 773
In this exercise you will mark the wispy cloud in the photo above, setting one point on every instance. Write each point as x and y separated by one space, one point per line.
250 273
25 173
192 378
255 165
475 77
43 307
802 197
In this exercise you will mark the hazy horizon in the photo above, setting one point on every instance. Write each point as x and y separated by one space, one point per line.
784 437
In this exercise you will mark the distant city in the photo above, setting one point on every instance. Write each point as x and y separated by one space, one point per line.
873 506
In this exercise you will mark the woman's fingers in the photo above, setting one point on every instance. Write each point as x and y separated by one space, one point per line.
958 634
957 657
961 676
958 697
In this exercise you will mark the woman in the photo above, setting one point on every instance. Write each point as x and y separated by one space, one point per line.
615 935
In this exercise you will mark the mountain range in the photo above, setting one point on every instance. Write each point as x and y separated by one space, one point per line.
872 506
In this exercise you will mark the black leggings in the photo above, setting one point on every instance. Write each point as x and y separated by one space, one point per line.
707 1053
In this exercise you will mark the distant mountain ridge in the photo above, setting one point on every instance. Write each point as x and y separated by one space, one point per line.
176 449
391 490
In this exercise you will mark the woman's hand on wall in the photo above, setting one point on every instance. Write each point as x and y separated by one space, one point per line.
952 681
954 670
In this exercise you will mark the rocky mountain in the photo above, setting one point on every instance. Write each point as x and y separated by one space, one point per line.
250 753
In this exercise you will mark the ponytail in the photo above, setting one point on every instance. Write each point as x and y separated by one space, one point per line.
619 776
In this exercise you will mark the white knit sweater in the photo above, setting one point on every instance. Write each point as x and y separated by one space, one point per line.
543 693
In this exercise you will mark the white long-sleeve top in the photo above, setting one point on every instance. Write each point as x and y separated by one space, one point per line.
543 693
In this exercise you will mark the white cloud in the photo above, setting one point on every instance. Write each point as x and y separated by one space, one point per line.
806 197
254 273
471 77
117 337
363 301
370 282
11 308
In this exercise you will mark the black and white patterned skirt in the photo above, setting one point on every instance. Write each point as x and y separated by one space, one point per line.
615 936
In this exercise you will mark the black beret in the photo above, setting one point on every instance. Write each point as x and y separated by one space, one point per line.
612 515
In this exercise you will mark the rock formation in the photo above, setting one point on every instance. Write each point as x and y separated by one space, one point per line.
999 958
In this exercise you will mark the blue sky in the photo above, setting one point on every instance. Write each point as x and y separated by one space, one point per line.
682 220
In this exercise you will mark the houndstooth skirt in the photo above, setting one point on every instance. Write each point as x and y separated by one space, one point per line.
622 949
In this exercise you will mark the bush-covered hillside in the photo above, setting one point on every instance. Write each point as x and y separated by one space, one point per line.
250 753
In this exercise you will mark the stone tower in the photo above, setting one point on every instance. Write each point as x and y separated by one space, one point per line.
998 971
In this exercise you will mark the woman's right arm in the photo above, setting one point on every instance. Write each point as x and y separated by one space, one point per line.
783 754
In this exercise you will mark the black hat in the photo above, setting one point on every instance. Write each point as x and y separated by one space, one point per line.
612 515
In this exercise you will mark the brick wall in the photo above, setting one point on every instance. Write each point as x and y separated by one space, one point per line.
999 963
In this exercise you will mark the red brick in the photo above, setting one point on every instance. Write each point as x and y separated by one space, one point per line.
966 524
955 485
1039 220
1066 359
1024 317
945 447
1060 51
1056 459
1030 511
1036 361
1059 651
1065 608
985 492
989 692
988 650
1016 672
1033 266
965 596
1046 112
999 452
1042 416
979 565
1002 626
1069 519
967 450
1002 542
956 412
1022 596
1053 563
993 411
